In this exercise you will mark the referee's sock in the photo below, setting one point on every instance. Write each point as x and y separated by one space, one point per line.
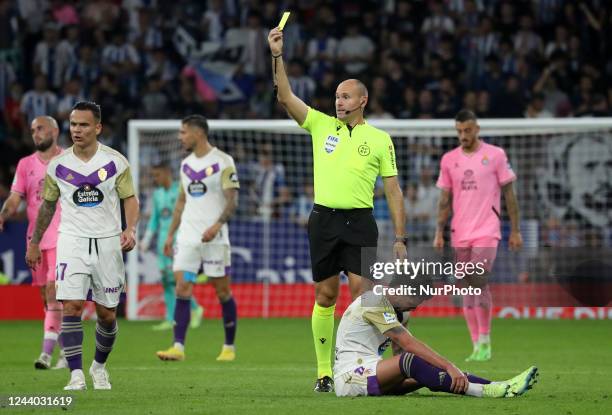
323 334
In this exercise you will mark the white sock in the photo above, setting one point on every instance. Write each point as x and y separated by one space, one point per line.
179 346
97 366
77 373
474 389
484 338
229 346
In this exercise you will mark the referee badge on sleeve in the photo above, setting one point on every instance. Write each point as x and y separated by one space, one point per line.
331 143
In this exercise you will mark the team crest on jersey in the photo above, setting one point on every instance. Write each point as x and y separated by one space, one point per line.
87 196
331 143
102 174
196 188
485 160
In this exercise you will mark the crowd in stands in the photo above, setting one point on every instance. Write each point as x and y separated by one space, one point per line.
419 58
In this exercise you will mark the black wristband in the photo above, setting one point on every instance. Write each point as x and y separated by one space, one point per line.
402 239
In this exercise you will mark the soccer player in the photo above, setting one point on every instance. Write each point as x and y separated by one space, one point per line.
367 328
28 185
89 179
349 155
164 199
207 198
473 176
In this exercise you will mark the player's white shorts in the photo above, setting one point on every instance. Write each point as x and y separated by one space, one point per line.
361 381
215 258
84 263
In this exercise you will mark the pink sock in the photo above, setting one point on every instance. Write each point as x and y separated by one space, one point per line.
53 321
469 311
484 311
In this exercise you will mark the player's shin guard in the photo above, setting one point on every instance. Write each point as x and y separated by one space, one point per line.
435 379
323 334
105 338
484 312
72 338
182 315
230 320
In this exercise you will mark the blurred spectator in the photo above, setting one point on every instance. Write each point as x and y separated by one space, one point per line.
256 57
355 51
154 103
302 206
211 21
419 214
302 85
187 102
73 93
64 13
321 52
7 77
12 111
527 41
536 109
38 101
100 13
436 25
52 58
86 68
271 193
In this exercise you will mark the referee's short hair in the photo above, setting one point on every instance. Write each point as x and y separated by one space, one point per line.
89 106
465 115
198 121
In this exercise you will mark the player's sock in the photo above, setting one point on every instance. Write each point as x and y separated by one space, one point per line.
483 309
169 298
52 324
469 313
182 315
194 304
323 333
72 338
49 341
230 320
435 379
105 338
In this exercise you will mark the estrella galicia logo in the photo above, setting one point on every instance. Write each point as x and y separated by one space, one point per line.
87 196
196 188
331 143
363 150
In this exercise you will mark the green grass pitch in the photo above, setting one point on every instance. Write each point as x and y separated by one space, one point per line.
274 371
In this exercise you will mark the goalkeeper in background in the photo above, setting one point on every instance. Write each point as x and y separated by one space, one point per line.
164 199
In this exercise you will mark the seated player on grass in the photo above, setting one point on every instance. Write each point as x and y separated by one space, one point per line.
368 327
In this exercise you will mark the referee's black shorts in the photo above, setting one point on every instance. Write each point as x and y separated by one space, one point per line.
341 240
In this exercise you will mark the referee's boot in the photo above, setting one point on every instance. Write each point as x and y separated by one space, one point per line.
324 384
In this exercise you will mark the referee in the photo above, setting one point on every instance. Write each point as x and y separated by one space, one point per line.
348 155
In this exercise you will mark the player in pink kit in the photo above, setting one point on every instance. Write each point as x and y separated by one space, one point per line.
473 176
28 185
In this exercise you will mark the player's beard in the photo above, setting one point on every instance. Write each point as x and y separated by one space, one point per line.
44 144
600 204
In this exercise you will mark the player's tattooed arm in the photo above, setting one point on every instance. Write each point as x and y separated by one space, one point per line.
45 214
511 206
444 210
231 198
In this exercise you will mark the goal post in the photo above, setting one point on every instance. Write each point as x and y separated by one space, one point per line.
553 159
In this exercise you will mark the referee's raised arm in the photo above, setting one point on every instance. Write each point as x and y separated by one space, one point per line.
296 108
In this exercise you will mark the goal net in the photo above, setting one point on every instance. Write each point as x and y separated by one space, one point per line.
564 189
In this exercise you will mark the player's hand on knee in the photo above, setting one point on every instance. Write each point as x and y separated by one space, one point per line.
128 240
459 382
33 255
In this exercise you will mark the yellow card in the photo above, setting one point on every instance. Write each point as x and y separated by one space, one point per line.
283 20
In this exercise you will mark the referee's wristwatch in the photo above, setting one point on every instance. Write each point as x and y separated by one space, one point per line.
403 239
